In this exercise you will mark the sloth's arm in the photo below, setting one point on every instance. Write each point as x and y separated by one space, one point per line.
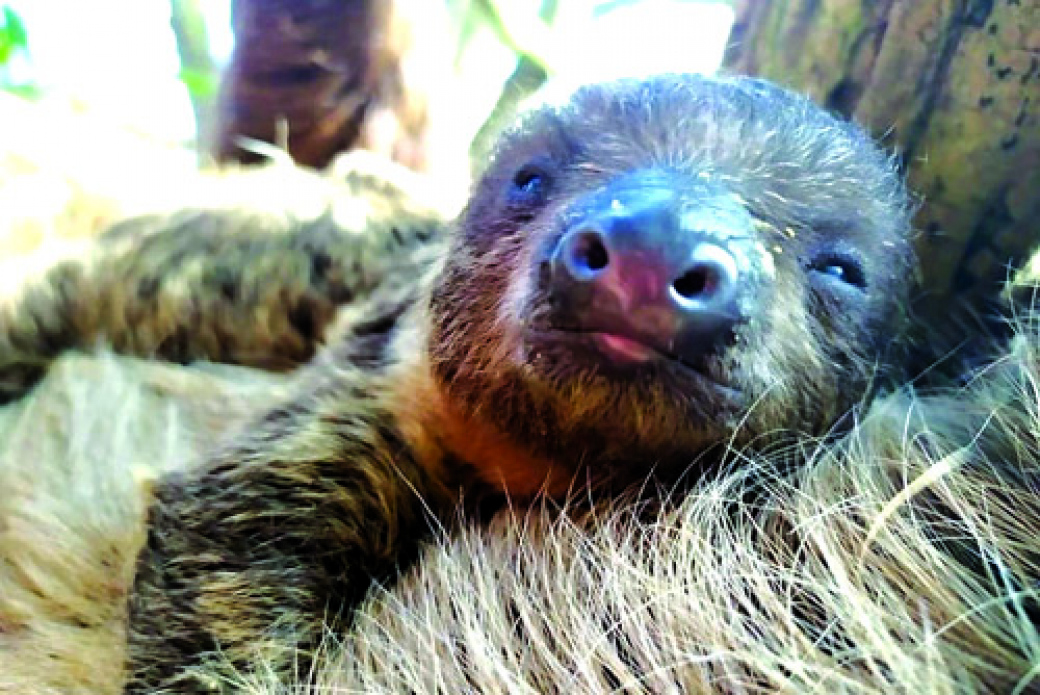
228 286
249 559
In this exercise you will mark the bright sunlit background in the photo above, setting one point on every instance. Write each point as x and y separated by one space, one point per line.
118 59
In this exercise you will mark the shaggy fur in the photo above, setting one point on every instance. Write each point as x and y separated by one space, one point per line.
255 286
470 379
901 559
76 460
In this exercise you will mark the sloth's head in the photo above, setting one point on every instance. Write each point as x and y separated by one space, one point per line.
665 264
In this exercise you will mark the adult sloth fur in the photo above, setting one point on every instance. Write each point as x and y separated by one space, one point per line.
772 585
642 275
900 559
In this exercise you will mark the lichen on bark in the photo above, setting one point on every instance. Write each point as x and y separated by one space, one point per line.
954 87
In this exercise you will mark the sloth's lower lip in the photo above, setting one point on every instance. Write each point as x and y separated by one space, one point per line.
626 351
622 348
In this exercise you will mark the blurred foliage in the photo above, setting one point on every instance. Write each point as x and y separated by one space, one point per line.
571 41
503 51
526 31
14 44
25 90
199 72
13 36
201 84
527 37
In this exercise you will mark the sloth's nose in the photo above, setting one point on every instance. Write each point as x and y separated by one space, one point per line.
636 272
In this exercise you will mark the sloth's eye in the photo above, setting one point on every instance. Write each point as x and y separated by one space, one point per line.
841 267
530 186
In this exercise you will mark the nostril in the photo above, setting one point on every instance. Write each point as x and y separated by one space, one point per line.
711 277
596 255
585 254
589 252
701 280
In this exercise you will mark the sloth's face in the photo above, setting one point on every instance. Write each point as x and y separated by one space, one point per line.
664 265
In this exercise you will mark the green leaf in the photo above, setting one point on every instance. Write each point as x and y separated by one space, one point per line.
14 27
12 34
200 84
25 91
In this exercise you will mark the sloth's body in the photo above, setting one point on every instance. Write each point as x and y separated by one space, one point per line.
649 273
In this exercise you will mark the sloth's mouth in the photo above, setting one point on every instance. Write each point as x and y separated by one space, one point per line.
622 348
630 353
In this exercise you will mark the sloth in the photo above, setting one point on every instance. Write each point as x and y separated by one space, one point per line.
645 277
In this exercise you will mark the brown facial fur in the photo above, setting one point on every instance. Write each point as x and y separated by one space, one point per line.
814 186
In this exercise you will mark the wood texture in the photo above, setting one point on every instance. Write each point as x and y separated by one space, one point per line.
320 77
954 87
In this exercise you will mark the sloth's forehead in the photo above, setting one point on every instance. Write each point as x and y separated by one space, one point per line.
695 120
791 160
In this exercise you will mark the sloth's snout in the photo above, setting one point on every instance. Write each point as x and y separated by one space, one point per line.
640 264
702 280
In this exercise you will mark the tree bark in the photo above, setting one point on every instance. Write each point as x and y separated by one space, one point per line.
954 87
320 78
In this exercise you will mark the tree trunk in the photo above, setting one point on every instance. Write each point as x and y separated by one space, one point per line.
954 87
320 78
